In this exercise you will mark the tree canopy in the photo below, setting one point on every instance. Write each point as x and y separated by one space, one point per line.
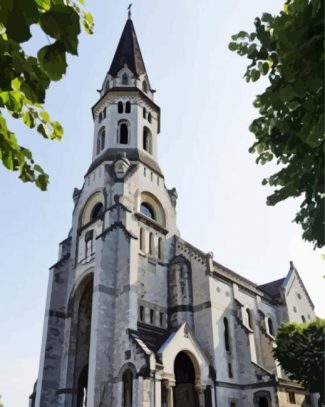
25 79
288 50
300 351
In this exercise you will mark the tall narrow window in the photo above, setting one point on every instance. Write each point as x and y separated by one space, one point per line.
120 107
303 319
292 398
123 133
270 326
230 374
226 334
141 238
248 318
151 245
149 117
144 112
160 249
104 112
100 117
141 313
145 86
100 140
127 388
127 107
161 319
147 141
125 79
89 243
152 316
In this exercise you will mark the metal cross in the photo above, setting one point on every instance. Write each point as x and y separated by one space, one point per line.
129 8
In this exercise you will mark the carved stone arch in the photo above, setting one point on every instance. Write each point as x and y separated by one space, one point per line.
81 282
96 197
153 202
262 398
127 366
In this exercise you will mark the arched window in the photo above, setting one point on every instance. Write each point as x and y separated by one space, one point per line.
149 117
160 249
147 211
151 244
248 318
127 388
123 133
120 107
125 79
303 319
144 112
127 107
226 334
100 141
147 141
97 211
270 326
100 117
145 86
141 238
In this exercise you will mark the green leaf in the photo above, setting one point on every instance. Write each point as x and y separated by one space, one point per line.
233 46
52 60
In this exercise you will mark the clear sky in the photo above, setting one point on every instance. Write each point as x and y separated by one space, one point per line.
203 152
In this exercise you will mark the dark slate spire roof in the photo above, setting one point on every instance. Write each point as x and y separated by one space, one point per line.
128 52
272 288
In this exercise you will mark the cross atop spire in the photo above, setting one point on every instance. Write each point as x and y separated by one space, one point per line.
128 51
129 11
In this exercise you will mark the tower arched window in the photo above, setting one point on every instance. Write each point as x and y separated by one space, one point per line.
147 210
97 211
145 86
149 117
151 244
127 107
147 140
127 388
160 248
270 326
100 141
125 79
144 112
226 334
123 133
120 107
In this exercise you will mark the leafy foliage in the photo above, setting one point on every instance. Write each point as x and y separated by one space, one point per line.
24 79
300 351
288 49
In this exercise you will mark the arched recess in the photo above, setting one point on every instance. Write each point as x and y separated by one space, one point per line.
262 398
186 371
153 203
89 207
81 307
100 140
147 140
123 132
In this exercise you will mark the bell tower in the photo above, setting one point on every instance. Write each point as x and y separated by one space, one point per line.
126 117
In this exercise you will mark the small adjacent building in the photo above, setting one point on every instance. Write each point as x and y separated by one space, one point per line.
135 315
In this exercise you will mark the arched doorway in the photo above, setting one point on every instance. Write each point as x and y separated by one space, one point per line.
83 344
262 399
184 391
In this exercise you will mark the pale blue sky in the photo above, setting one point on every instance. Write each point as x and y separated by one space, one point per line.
206 109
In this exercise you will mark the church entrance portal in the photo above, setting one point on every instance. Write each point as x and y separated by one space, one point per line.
263 402
184 391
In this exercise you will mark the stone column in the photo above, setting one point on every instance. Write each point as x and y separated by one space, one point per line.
170 394
200 391
158 393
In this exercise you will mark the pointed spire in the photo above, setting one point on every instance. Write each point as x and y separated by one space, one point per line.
128 51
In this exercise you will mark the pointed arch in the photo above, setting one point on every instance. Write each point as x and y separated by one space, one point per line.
100 145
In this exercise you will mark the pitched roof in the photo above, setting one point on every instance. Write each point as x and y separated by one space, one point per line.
128 52
272 288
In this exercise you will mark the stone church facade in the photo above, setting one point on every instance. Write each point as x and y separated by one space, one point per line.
136 316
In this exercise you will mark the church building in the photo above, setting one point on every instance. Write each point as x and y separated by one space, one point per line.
135 315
